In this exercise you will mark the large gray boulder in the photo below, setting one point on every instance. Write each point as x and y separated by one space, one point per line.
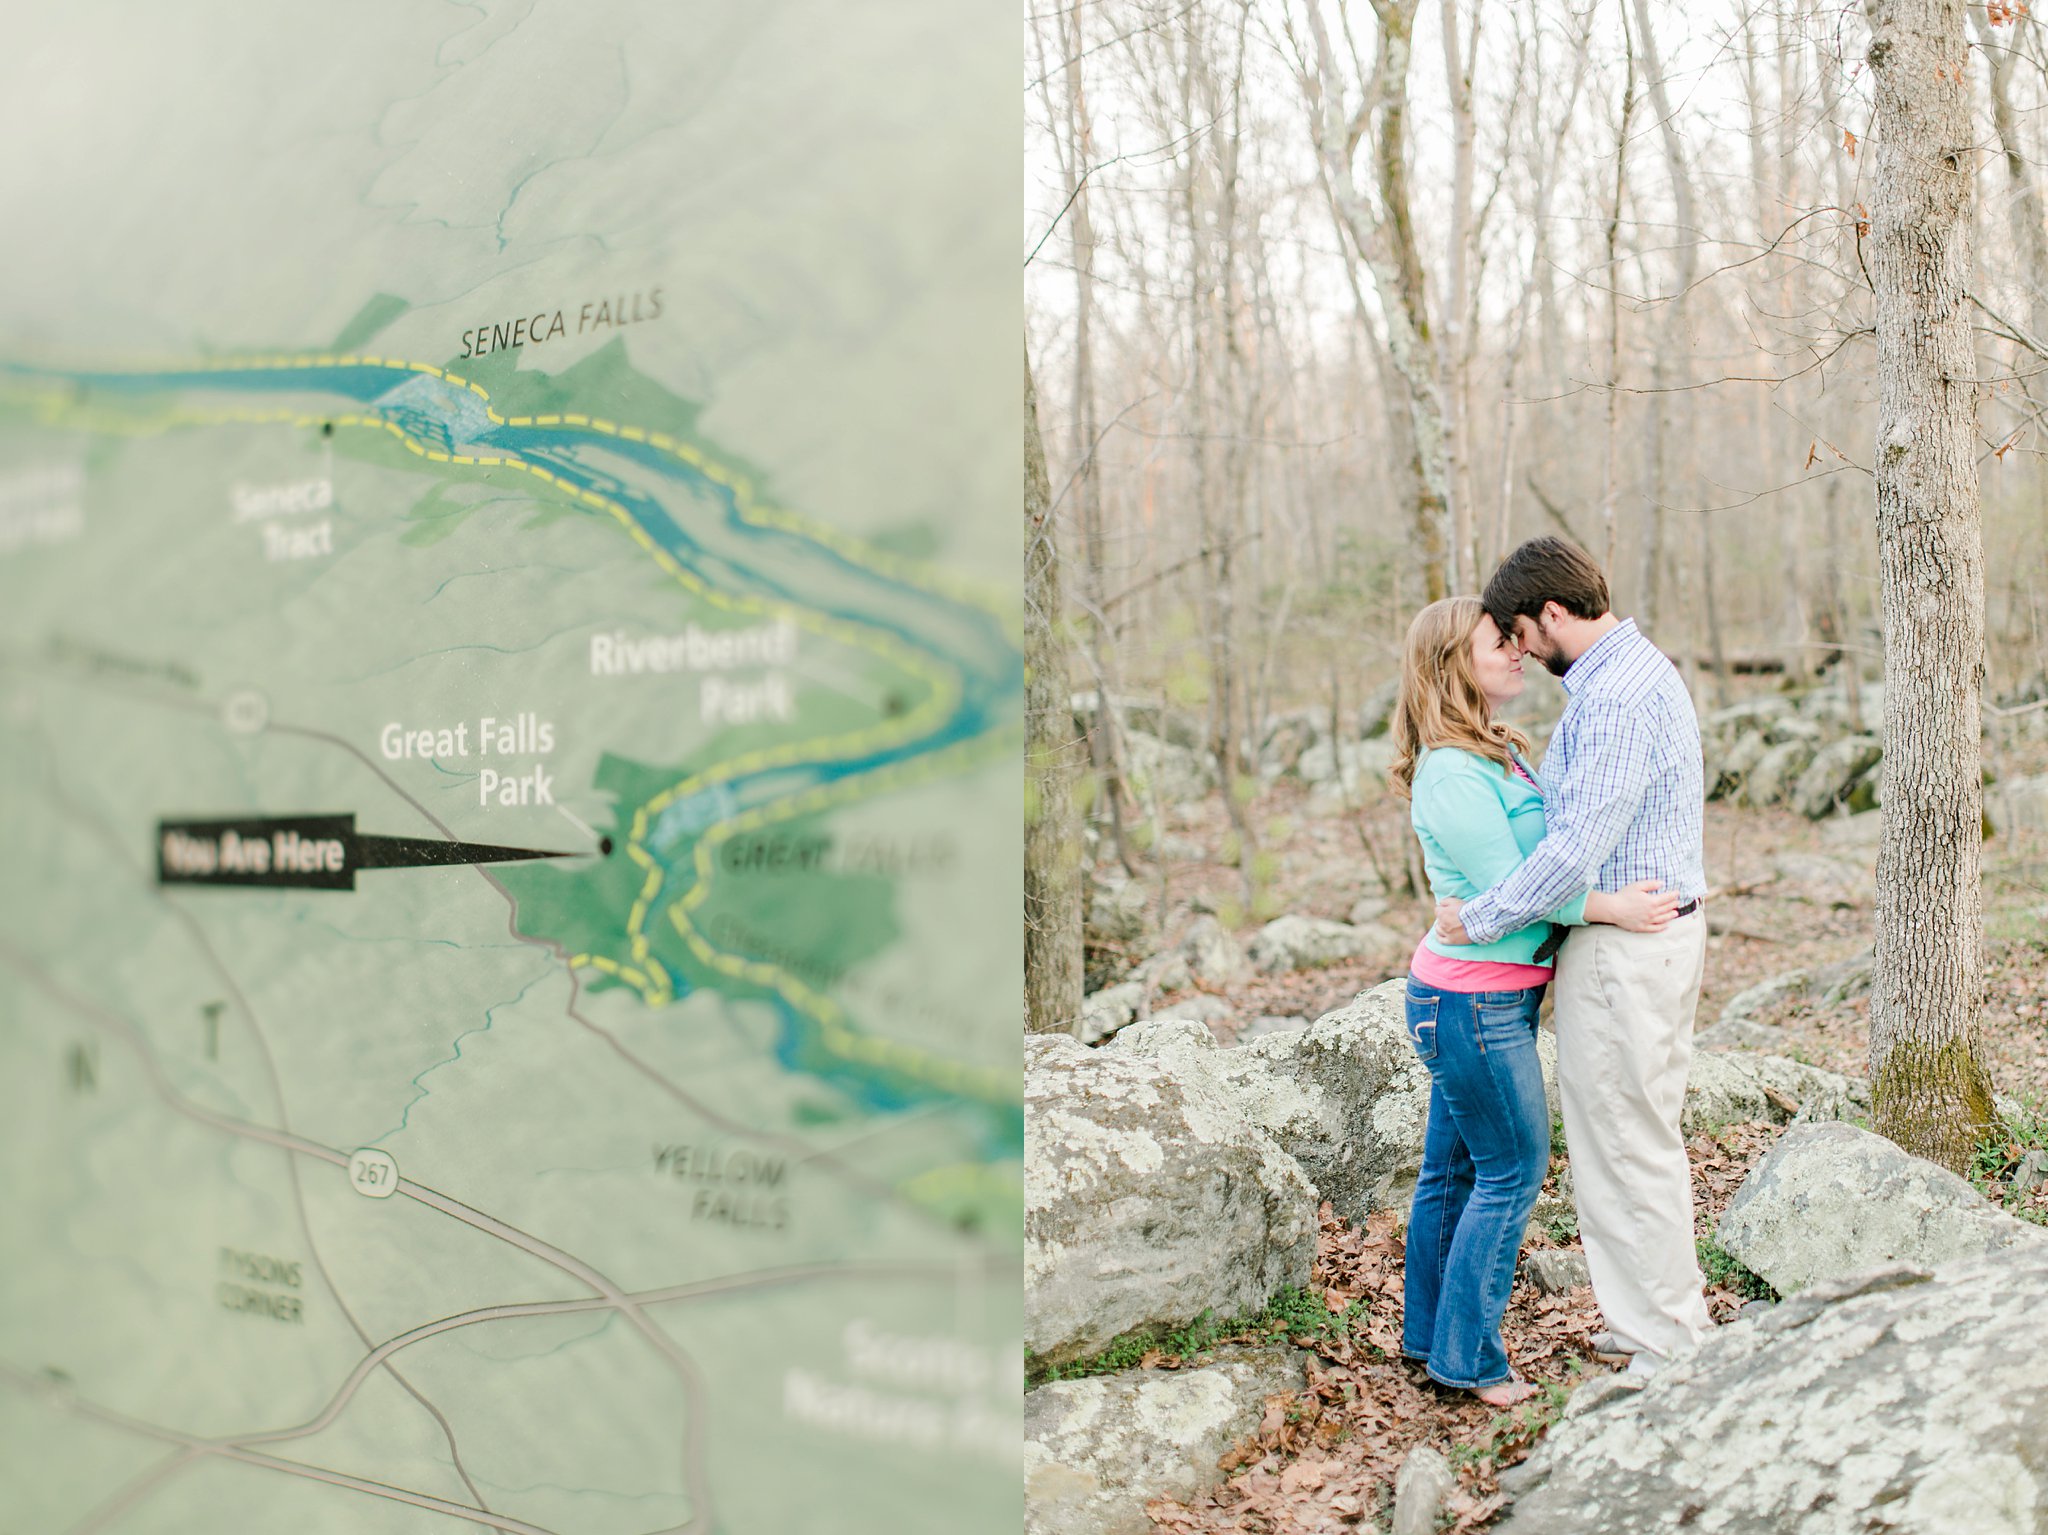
1424 1481
1750 714
1096 1451
1173 774
1832 1200
1727 770
1345 774
1286 739
1376 713
1212 956
1200 1008
1900 1402
1775 773
1119 911
1740 1023
1346 1097
1104 1012
1309 943
1149 1198
1723 1089
1833 773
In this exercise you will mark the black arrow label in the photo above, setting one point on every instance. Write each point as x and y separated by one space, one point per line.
304 852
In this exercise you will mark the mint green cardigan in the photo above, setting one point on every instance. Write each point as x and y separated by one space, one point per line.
1476 822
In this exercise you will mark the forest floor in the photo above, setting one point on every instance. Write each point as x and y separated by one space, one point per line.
1767 915
1786 894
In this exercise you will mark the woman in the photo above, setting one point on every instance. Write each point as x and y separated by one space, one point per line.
1471 1011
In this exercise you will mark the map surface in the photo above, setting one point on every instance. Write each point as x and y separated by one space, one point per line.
509 770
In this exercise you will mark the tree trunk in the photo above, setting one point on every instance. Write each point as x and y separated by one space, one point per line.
1457 339
2022 202
1052 831
1610 487
1930 1092
1674 351
1385 241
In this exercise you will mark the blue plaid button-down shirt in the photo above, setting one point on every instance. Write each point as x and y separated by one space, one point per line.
1623 797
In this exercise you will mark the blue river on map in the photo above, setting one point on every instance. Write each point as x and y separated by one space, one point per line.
975 648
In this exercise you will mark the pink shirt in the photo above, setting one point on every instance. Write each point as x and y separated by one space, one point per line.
1468 975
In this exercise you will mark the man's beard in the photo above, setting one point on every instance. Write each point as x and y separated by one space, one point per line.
1551 654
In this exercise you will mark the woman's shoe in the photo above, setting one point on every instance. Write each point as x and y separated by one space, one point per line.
1506 1394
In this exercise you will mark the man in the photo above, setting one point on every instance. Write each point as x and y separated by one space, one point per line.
1623 802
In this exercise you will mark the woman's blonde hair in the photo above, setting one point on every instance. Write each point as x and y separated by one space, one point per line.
1441 703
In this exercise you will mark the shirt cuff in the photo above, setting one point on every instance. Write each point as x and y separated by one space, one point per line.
1479 920
1573 912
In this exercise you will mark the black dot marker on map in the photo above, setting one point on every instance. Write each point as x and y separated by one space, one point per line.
604 846
305 852
327 429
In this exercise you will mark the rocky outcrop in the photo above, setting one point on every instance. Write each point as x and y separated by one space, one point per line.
1832 1200
1096 1451
1346 1097
1727 770
1345 773
1424 1481
1724 1089
1200 1008
1833 772
1150 1197
1213 957
1287 737
1556 1270
1104 1012
1119 911
1376 713
1776 771
1309 943
1174 775
1900 1401
1268 1023
1740 1023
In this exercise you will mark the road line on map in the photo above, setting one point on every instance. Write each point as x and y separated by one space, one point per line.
196 933
513 1311
431 1197
85 1407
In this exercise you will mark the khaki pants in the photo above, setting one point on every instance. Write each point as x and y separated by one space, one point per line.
1625 1004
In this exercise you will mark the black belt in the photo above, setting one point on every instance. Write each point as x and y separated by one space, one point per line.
1554 940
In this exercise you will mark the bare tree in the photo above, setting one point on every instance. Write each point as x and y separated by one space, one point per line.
1381 226
1929 1089
1610 488
1052 838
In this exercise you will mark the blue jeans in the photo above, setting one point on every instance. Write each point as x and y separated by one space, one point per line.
1483 1160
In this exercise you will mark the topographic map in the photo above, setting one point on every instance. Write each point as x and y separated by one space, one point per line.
510 686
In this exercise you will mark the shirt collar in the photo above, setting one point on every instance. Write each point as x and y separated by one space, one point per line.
1597 655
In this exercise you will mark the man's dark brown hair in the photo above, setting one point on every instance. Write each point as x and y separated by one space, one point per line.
1544 570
